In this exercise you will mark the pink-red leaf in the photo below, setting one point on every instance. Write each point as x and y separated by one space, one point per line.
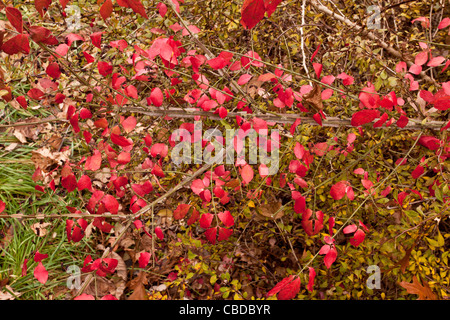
338 190
434 62
40 273
144 258
226 218
94 162
421 58
247 173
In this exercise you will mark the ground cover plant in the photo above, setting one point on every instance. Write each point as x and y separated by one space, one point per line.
210 150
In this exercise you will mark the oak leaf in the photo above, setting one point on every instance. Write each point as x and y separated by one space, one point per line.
424 292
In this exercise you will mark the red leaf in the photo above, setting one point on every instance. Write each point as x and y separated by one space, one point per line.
364 116
247 173
210 234
71 37
137 7
53 70
205 220
96 39
317 68
162 9
84 183
159 233
434 62
106 9
160 149
16 44
194 217
101 224
300 205
2 206
350 229
338 190
15 18
38 257
312 275
35 94
40 273
111 204
415 69
226 218
142 189
217 63
22 101
358 238
444 23
197 186
224 234
317 118
181 211
243 79
156 97
74 122
421 58
315 52
88 57
431 143
252 12
290 290
402 121
105 68
85 113
120 140
40 5
84 296
129 123
330 255
93 162
417 172
280 286
64 3
24 267
124 157
144 258
286 289
40 34
69 182
271 6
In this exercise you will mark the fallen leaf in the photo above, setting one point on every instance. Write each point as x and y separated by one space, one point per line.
271 210
424 292
40 228
137 285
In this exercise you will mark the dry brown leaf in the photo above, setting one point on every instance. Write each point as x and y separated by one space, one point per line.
314 97
424 292
46 159
253 87
232 183
40 229
271 210
137 285
8 294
